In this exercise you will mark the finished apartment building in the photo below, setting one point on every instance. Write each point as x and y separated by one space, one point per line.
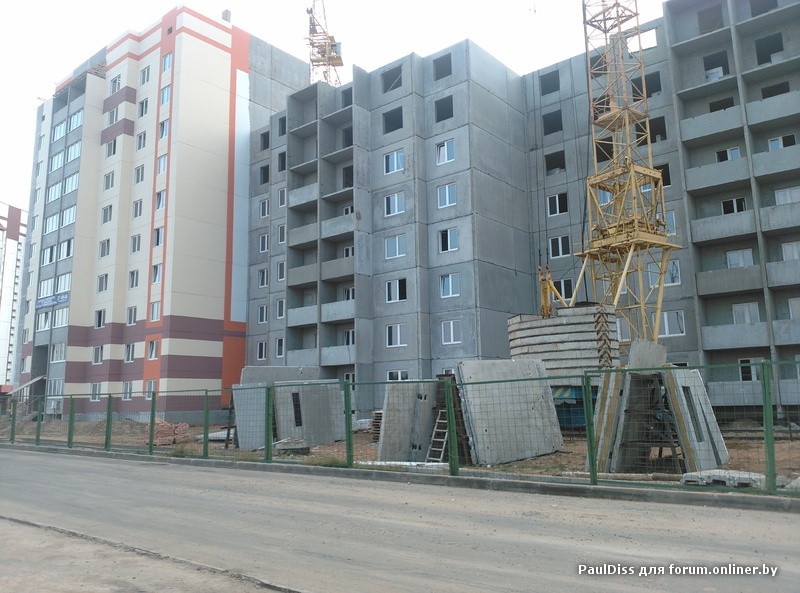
13 227
136 275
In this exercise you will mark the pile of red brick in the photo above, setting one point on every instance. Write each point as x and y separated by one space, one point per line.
167 433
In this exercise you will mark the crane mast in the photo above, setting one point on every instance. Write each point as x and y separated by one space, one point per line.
325 54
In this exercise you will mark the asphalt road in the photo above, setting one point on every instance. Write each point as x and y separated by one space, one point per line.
130 526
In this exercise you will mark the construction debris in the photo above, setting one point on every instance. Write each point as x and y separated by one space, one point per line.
166 433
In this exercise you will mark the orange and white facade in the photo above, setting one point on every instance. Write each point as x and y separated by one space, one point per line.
136 276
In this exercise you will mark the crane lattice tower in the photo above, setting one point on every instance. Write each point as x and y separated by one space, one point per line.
325 53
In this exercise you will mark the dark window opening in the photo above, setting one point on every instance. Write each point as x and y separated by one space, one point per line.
347 176
282 126
347 97
767 47
551 122
658 129
774 90
710 19
604 149
444 108
666 180
347 136
392 79
282 161
720 105
716 65
734 205
298 413
555 162
597 66
549 83
392 120
264 140
264 174
652 83
759 7
442 67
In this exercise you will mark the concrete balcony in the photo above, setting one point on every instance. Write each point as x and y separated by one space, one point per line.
710 127
779 164
303 236
780 218
338 269
302 196
717 177
773 111
783 274
717 229
338 311
729 281
302 275
338 355
301 316
339 227
727 337
301 358
786 332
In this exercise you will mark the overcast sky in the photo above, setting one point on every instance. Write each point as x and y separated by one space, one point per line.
53 37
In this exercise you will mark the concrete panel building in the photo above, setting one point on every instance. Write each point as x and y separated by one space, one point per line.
13 228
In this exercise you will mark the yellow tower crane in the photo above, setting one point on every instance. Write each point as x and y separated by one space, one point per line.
325 52
628 251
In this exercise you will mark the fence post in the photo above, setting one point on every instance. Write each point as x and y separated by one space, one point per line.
39 415
269 419
769 434
13 419
348 423
206 419
452 437
152 436
588 414
71 422
109 414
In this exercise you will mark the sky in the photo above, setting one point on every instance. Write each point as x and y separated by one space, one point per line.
55 37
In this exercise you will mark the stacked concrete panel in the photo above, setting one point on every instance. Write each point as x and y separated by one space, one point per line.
407 423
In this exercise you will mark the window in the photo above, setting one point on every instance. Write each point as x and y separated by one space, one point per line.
75 120
58 352
666 178
51 224
264 140
445 152
555 163
652 86
282 161
733 205
155 310
395 246
349 251
263 208
564 288
63 282
791 250
395 204
161 199
163 129
142 107
444 108
261 353
111 148
787 195
53 192
127 390
105 247
774 90
43 321
95 395
157 273
396 335
769 49
58 131
739 258
263 174
71 183
151 388
133 279
158 236
750 369
113 116
73 151
549 83
60 318
68 215
102 283
56 161
152 349
393 120
552 123
161 164
167 62
672 324
557 204
397 375
446 195
282 197
263 278
131 316
671 226
281 271
48 255
144 75
165 94
393 162
349 337
65 249
451 332
116 84
745 313
106 214
728 154
136 243
396 290
138 174
263 243
281 234
392 79
559 246
99 318
97 355
716 66
442 66
349 293
347 176
672 275
449 285
137 209
782 142
348 209
280 308
720 105
794 308
448 240
108 181
263 314
278 347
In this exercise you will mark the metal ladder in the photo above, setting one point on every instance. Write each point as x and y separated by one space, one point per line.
438 448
